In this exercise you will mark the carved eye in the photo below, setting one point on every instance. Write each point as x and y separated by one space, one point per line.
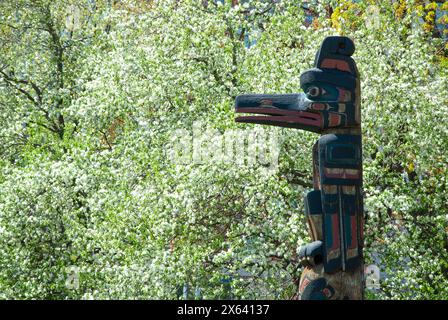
313 91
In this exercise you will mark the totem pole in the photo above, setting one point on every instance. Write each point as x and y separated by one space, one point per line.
330 105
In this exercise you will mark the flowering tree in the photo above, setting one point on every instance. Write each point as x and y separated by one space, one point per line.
94 203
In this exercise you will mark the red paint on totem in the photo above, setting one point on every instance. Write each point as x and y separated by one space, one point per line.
342 175
335 64
335 225
326 292
280 117
333 175
334 119
344 95
352 176
277 116
353 228
362 229
319 106
304 284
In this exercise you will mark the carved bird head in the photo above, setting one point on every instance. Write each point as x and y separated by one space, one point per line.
330 97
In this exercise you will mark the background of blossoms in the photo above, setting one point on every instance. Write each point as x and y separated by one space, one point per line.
91 203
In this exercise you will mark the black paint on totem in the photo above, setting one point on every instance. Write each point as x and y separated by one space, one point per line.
329 105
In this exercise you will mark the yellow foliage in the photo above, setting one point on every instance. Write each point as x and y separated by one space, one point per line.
431 6
428 27
424 9
430 16
443 19
346 16
316 24
400 8
411 167
420 10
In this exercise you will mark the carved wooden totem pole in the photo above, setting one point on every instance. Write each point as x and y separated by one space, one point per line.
330 105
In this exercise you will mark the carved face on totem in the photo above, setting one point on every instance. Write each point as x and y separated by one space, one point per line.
330 97
330 105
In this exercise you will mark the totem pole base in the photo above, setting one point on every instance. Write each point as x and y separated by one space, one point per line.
317 285
330 105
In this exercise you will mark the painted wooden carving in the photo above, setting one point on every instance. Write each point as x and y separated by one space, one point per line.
330 105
